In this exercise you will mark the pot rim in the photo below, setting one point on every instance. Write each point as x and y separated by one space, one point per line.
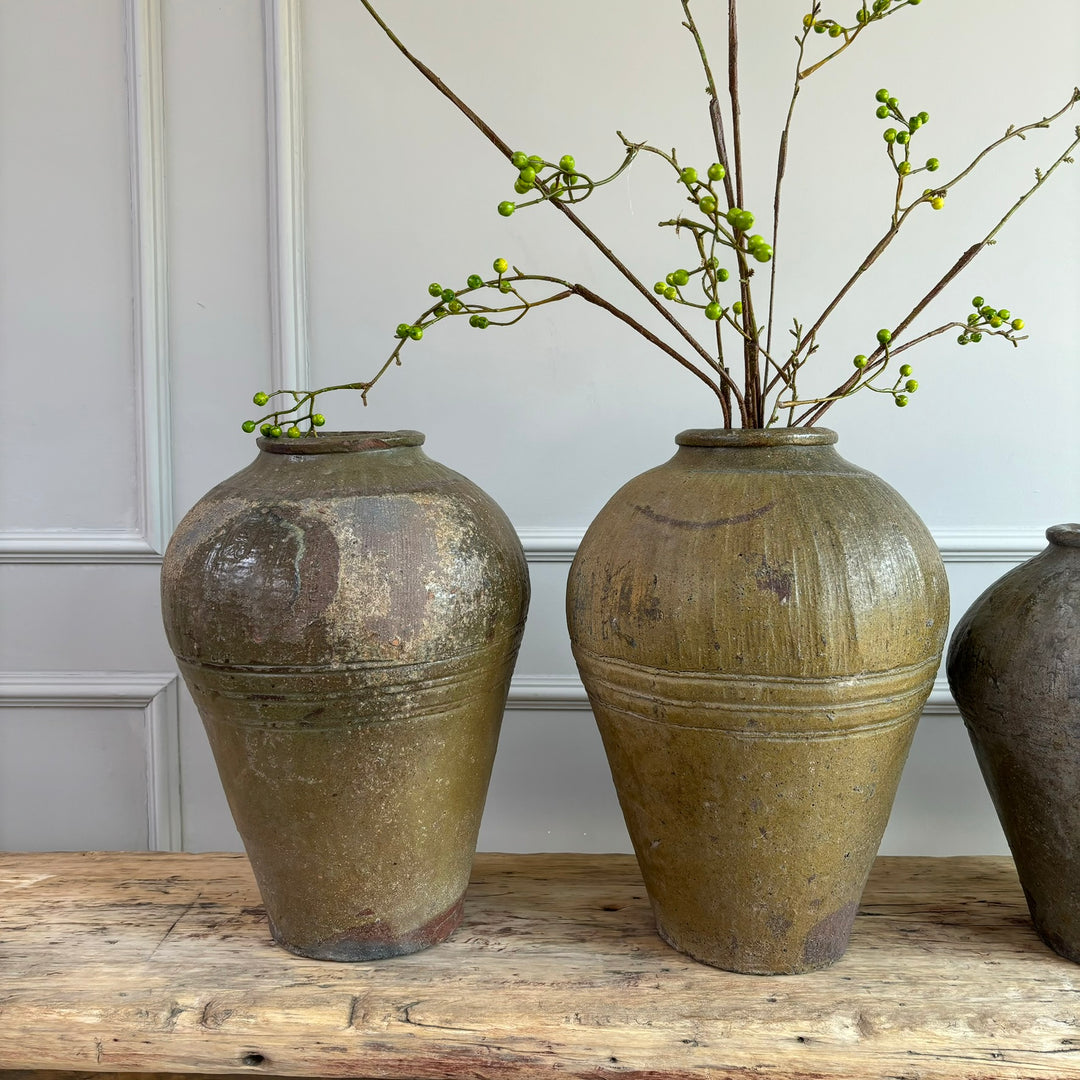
741 437
1066 535
341 442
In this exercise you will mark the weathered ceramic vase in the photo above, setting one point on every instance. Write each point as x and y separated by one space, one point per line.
1014 669
758 624
346 613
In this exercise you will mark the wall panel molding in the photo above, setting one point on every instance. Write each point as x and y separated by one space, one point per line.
1009 546
285 172
150 328
155 693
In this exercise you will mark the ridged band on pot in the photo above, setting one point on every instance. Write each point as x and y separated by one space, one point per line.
1014 670
346 613
758 624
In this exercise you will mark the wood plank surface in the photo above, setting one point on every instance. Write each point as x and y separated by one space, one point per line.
162 964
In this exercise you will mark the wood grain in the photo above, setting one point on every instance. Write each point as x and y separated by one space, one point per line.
162 964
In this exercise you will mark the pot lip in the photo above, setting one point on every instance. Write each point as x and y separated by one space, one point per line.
1066 535
341 442
740 437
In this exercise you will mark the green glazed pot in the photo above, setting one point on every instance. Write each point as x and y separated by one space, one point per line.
1014 669
758 624
346 613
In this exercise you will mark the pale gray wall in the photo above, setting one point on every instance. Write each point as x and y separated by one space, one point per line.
200 199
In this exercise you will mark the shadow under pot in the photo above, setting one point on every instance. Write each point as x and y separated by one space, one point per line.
1014 670
346 613
758 623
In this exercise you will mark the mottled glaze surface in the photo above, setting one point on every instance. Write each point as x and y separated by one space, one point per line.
346 613
758 623
1014 669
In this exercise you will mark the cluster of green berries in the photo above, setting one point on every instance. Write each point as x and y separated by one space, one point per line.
987 317
865 14
889 109
530 167
904 385
450 302
272 430
742 221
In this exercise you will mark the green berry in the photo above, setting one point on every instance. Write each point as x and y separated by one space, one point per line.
987 310
911 385
275 432
978 302
722 274
506 208
995 322
537 163
670 292
402 330
882 112
835 30
447 295
901 400
713 311
434 289
670 279
717 171
680 277
808 21
905 370
479 321
248 426
882 95
1004 314
932 164
976 337
732 214
924 117
505 286
893 103
862 15
294 432
904 168
937 203
521 187
889 135
659 288
527 175
318 419
500 266
763 253
440 312
884 336
474 281
266 429
902 137
1017 324
688 175
455 306
973 318
860 361
963 339
737 307
416 332
260 398
820 28
519 160
744 221
567 163
708 205
914 123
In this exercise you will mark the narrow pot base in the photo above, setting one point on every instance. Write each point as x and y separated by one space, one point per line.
373 942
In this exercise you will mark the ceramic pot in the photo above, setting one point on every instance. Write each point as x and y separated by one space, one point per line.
1014 669
758 624
346 613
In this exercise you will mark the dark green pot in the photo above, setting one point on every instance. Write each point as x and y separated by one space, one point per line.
346 613
1014 669
758 624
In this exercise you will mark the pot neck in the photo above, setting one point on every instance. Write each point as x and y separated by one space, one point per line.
342 442
1064 536
741 438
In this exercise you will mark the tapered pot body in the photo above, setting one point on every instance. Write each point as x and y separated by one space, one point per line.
346 613
1014 669
758 624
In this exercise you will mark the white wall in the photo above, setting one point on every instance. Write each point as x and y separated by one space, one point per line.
198 200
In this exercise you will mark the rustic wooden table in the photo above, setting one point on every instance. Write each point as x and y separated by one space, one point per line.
161 964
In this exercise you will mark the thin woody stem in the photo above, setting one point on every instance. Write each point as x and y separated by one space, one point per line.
492 136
